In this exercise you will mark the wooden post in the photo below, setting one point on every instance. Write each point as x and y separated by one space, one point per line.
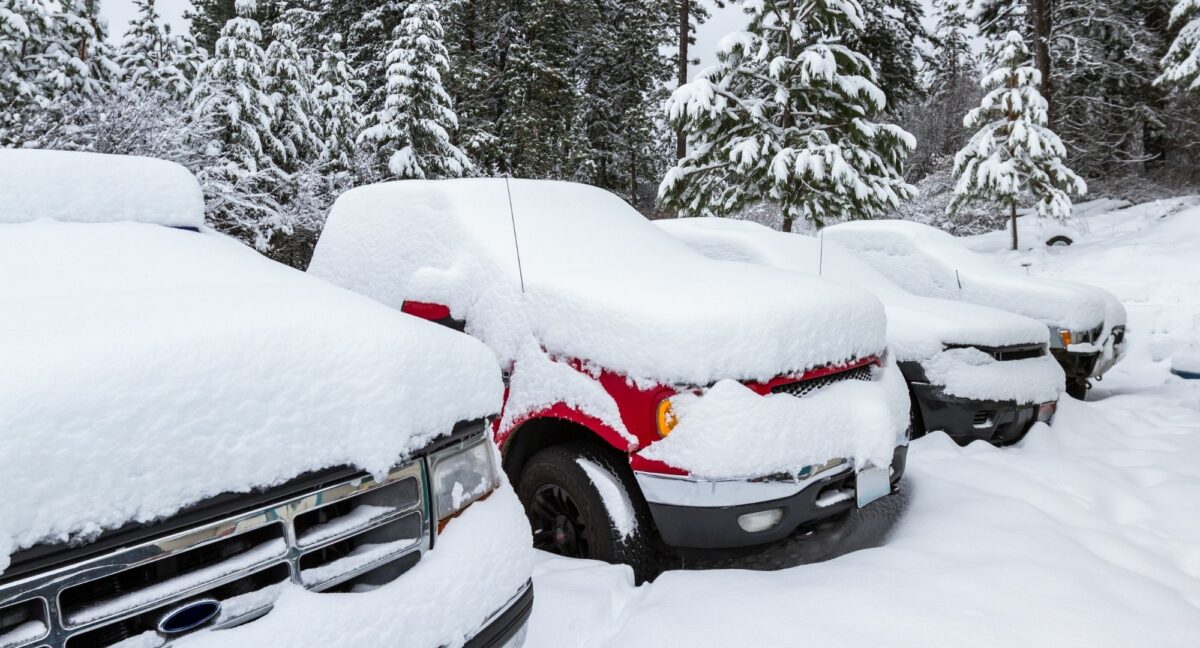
1014 225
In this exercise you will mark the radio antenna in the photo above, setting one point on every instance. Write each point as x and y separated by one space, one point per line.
821 253
512 216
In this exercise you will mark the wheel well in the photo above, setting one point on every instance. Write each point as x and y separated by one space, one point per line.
537 434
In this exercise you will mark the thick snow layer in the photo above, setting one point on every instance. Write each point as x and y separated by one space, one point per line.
616 500
932 263
971 373
130 350
860 420
600 283
918 327
96 188
480 562
1082 535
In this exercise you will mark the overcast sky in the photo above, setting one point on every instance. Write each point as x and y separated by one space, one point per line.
120 12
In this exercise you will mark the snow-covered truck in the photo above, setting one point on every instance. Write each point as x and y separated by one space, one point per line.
1086 323
195 437
975 373
656 401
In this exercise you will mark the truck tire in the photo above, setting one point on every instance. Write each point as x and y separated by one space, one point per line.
570 516
1059 240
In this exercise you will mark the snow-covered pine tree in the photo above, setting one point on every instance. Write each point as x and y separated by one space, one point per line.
294 110
337 109
412 133
951 76
1181 65
891 38
144 53
787 115
230 93
80 60
1014 151
184 61
25 29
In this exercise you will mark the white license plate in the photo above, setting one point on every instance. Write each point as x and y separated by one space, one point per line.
873 483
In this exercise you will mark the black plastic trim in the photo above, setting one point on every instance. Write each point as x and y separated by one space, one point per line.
1009 421
507 625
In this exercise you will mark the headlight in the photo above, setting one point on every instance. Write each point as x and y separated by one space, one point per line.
462 475
665 417
1066 337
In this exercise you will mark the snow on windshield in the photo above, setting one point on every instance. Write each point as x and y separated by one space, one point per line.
97 188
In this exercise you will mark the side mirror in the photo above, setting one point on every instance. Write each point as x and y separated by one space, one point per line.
436 313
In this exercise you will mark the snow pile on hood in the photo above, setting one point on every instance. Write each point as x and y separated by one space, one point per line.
600 283
918 327
971 373
481 561
132 350
858 420
932 263
97 188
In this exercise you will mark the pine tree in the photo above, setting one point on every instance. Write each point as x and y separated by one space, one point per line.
951 79
1181 65
413 131
80 60
185 60
230 93
786 116
1014 151
891 38
294 110
144 54
25 27
337 109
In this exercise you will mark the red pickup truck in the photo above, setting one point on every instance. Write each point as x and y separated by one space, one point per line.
657 402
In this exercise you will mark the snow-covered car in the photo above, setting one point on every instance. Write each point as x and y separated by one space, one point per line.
198 440
656 399
975 373
1087 324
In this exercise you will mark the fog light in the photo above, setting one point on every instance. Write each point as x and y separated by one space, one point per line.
760 521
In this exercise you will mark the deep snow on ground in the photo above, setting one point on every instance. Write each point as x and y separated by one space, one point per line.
1086 534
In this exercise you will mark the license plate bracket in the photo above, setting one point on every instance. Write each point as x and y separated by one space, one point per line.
871 484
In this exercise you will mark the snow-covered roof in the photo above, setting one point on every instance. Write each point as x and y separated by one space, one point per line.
918 327
932 263
96 188
601 283
130 350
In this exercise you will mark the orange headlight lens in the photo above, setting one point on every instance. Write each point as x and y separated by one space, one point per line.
1066 337
666 417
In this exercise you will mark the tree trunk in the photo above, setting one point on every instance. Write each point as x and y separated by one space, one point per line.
680 141
1040 17
787 223
1014 226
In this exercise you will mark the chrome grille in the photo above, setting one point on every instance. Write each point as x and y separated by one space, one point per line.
356 533
805 387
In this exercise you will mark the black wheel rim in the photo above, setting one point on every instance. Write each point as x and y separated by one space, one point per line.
558 524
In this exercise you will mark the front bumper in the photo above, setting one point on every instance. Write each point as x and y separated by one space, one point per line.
966 420
506 628
699 514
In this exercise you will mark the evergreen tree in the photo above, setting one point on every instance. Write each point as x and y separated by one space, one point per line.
145 52
951 79
80 61
185 60
25 28
891 38
231 94
414 129
294 110
337 109
1181 65
1014 151
368 46
787 116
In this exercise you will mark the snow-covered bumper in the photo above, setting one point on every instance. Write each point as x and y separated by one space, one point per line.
966 420
730 514
1086 360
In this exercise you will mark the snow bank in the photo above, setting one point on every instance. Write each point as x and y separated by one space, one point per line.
932 263
918 327
96 188
480 562
131 349
971 373
601 284
852 419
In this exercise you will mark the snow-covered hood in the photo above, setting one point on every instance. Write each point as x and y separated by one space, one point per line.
593 281
917 327
147 368
929 262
